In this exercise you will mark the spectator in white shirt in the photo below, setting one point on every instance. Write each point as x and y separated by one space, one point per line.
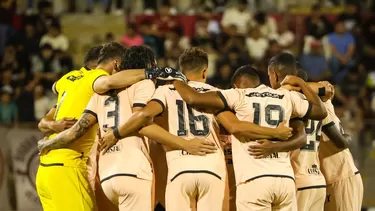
42 103
256 44
285 37
267 24
55 38
238 16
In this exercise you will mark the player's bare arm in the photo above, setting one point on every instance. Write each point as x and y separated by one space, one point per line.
48 125
265 147
142 120
129 77
66 137
250 130
323 89
340 140
196 99
318 110
118 80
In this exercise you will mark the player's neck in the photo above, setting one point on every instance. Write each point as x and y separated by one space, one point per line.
105 67
195 77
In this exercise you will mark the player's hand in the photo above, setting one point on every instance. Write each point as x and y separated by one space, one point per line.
42 146
63 124
292 80
262 149
291 88
170 74
283 132
107 141
330 90
198 146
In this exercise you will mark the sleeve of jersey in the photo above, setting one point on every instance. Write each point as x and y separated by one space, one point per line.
91 107
329 120
301 107
159 97
231 98
94 75
144 91
57 86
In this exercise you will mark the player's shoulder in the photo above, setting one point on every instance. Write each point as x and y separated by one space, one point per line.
145 82
202 87
95 72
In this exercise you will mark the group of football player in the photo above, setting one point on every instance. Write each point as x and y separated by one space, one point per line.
128 135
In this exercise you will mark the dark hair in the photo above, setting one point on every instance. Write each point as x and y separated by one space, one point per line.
138 57
246 71
44 4
302 74
92 54
111 50
132 26
193 58
285 64
46 46
261 18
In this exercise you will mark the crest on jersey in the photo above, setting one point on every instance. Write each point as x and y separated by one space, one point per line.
313 170
168 70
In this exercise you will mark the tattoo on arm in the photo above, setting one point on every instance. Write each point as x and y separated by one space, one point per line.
66 137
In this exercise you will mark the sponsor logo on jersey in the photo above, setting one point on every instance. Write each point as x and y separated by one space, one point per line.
115 148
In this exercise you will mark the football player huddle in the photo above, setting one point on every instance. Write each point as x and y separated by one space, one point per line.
128 135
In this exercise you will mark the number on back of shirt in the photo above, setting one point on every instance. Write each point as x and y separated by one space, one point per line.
313 132
272 114
111 107
198 125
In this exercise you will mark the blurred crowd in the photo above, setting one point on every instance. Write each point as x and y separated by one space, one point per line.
340 50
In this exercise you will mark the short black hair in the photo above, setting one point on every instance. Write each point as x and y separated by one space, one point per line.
111 50
92 54
302 74
246 71
285 63
138 57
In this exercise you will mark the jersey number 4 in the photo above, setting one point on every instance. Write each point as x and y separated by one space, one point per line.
312 127
193 120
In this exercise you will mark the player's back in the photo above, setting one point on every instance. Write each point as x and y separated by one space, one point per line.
75 90
188 123
129 155
266 107
336 164
305 161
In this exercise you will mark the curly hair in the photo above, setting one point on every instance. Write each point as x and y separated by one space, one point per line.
138 57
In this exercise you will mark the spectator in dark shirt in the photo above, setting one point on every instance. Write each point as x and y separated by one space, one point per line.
231 39
222 77
342 46
316 24
351 16
315 63
369 43
45 67
8 110
45 17
149 38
